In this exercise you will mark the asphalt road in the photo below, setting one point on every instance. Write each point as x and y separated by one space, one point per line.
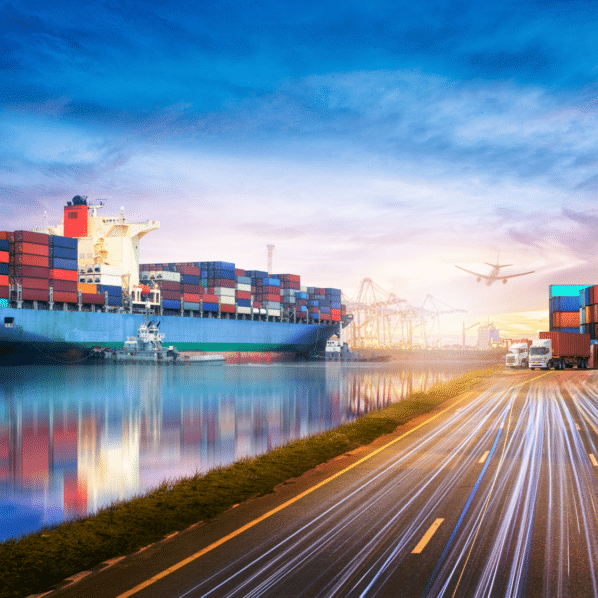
494 494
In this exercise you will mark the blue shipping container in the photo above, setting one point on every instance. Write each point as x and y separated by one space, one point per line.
3 245
210 306
57 240
190 279
63 264
565 303
63 252
191 305
171 304
114 301
244 302
4 269
112 290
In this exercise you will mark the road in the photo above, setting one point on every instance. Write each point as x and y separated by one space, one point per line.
495 495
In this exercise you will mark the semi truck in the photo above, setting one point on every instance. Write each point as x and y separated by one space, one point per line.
517 355
559 350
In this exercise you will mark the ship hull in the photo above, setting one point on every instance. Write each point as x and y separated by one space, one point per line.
31 336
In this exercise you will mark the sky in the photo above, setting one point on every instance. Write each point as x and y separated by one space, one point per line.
387 140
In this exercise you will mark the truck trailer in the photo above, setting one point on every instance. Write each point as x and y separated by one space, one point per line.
560 350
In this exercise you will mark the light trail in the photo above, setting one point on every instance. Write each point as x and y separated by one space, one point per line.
525 524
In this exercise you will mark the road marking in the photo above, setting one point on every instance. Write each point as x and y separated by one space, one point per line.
593 460
577 426
427 537
484 457
291 501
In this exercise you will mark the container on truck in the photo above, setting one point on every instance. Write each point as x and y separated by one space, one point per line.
559 350
517 355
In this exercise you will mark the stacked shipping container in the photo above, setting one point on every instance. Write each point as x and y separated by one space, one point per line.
564 307
221 287
588 312
44 266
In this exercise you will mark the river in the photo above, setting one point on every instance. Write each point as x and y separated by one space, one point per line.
74 439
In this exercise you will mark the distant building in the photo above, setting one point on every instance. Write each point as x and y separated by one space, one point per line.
488 336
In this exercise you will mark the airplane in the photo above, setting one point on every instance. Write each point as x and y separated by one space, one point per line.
495 274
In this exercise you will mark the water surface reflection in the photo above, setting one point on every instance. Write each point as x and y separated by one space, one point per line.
75 439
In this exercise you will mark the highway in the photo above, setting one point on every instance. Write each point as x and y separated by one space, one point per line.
494 494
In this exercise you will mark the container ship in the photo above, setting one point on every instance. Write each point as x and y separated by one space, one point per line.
69 290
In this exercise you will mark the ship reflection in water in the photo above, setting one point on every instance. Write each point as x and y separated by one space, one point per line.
75 439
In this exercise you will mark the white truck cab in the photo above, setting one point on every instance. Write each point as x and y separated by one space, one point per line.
517 356
540 354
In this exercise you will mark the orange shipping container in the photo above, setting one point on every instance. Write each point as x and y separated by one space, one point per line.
86 287
227 308
65 297
191 297
32 249
25 259
57 274
569 319
588 314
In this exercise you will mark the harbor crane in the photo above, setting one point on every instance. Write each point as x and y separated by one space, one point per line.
380 318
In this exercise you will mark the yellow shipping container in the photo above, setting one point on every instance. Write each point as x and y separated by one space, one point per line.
86 287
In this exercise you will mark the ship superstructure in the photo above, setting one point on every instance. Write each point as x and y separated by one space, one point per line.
104 240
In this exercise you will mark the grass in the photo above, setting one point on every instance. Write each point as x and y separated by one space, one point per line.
40 561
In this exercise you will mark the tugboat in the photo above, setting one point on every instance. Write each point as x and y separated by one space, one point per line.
147 348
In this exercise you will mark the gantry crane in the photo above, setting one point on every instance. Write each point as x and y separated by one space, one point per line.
378 315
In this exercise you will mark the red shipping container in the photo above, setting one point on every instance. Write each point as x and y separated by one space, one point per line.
257 304
3 292
168 294
243 295
25 259
30 237
3 257
92 298
32 248
211 298
62 297
231 309
568 344
30 272
4 280
191 297
239 272
36 295
188 270
190 288
335 312
335 318
3 235
169 285
34 283
57 274
64 285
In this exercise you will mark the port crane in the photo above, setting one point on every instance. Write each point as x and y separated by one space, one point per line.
380 318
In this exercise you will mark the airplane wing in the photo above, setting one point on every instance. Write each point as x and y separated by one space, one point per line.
480 275
513 275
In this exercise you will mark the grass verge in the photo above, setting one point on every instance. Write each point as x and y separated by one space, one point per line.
40 561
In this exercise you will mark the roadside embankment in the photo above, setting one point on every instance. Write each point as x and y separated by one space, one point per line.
40 561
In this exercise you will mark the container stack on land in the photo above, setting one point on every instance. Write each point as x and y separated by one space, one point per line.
564 307
588 313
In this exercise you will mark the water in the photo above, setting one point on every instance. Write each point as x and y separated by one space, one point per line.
75 439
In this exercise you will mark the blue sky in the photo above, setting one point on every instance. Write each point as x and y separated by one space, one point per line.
391 140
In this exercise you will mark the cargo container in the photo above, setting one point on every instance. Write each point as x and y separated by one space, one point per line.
560 349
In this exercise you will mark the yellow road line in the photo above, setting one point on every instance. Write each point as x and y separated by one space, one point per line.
593 460
427 537
484 457
291 501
